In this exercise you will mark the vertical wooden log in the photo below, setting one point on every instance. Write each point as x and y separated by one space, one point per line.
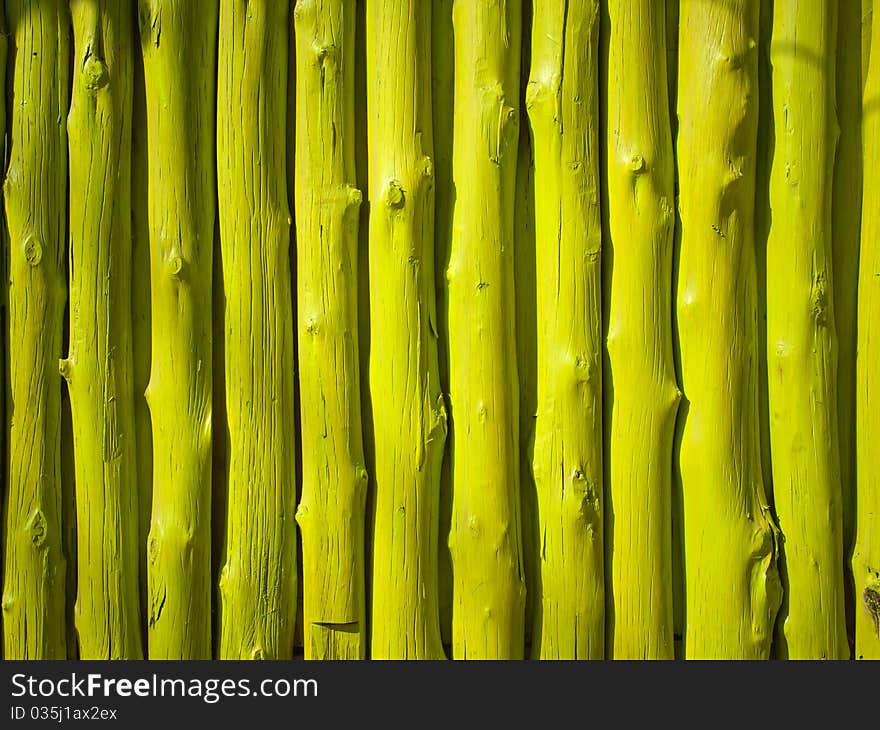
731 582
563 109
331 513
485 543
801 336
99 364
642 396
408 415
36 205
258 578
179 42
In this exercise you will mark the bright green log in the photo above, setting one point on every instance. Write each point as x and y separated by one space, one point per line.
642 397
98 368
866 556
257 587
179 40
801 336
408 415
731 583
563 109
331 513
484 540
36 205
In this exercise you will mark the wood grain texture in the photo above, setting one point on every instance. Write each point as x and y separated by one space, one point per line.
331 514
801 333
731 582
408 414
641 392
484 539
35 198
179 42
566 459
99 364
256 606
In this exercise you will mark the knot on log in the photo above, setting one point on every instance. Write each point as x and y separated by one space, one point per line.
95 74
394 195
38 529
871 599
637 164
33 251
175 266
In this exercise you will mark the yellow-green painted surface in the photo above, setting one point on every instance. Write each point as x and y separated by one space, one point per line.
408 414
732 588
801 334
256 602
488 589
566 459
331 514
35 202
327 232
99 366
641 391
179 42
